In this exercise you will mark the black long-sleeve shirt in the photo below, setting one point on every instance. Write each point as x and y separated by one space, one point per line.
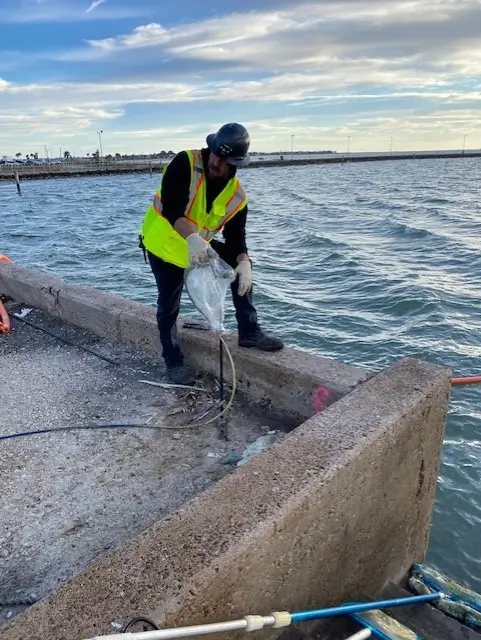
175 198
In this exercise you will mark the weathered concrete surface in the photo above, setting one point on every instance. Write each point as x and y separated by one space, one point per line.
66 498
339 507
289 380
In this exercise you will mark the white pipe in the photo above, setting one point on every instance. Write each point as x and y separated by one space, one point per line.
361 635
249 623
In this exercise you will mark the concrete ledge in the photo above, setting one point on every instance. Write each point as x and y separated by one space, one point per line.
336 509
291 380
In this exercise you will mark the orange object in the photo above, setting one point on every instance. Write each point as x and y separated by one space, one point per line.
4 259
4 319
466 380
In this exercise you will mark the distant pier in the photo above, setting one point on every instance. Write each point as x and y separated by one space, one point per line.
81 169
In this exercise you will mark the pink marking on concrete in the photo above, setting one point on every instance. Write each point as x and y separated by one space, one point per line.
320 396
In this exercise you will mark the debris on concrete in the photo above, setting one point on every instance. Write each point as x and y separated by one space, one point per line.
23 313
168 385
116 625
232 458
261 444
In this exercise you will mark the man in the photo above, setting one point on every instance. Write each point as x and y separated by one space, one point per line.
199 196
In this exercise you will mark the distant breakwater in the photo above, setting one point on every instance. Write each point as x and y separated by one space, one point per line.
72 170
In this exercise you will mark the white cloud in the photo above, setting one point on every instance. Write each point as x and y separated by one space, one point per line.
32 11
421 54
324 24
94 5
407 43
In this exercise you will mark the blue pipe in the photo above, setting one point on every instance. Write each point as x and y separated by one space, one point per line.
344 609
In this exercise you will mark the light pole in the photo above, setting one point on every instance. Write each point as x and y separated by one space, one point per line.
100 142
349 144
292 142
464 141
390 146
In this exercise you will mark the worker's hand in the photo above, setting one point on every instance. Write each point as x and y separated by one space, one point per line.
244 271
200 252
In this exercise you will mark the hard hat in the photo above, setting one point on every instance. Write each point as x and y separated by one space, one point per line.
231 143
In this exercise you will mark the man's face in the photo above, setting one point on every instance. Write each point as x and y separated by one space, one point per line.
218 168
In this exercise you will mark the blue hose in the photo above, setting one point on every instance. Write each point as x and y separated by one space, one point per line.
344 609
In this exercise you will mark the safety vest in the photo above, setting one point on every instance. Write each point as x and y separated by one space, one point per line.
160 237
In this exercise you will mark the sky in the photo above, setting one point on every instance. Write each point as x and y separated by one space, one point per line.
153 75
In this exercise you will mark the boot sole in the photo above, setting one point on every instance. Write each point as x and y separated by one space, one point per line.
253 345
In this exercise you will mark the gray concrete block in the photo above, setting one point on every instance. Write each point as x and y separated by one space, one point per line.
138 327
336 509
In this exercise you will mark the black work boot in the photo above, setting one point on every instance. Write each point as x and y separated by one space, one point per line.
261 341
180 374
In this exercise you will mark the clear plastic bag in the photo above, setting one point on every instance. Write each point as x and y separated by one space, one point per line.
207 287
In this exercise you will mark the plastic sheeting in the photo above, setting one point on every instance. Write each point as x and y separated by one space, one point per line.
207 287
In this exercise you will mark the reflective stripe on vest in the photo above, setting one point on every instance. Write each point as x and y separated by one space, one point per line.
160 237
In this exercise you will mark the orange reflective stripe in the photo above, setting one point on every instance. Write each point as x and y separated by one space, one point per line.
196 182
198 185
235 203
157 204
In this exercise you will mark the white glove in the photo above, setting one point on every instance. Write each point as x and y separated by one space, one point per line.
199 250
244 271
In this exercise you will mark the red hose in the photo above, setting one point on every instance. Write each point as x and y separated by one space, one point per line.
466 380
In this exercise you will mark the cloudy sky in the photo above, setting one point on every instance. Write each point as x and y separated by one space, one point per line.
158 75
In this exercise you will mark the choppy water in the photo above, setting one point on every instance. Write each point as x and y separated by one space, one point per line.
366 263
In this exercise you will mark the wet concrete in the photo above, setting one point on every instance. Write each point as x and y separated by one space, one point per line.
66 498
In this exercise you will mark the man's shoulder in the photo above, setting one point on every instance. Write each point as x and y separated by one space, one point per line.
179 162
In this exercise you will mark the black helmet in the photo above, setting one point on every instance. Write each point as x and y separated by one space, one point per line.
231 143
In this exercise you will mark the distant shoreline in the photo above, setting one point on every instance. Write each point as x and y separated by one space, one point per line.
71 170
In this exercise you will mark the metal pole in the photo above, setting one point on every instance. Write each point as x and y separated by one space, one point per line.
223 425
17 182
100 142
221 373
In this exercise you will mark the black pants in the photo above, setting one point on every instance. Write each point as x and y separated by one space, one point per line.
170 282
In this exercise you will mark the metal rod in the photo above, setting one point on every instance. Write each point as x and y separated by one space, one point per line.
180 632
221 373
269 621
223 424
357 607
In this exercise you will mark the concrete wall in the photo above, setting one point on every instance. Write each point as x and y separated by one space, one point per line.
290 380
337 508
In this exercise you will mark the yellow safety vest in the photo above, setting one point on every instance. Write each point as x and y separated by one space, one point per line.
160 237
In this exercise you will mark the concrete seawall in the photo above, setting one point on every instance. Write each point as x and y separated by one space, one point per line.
340 506
289 380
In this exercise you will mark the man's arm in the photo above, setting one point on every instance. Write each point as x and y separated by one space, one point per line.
235 235
175 194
